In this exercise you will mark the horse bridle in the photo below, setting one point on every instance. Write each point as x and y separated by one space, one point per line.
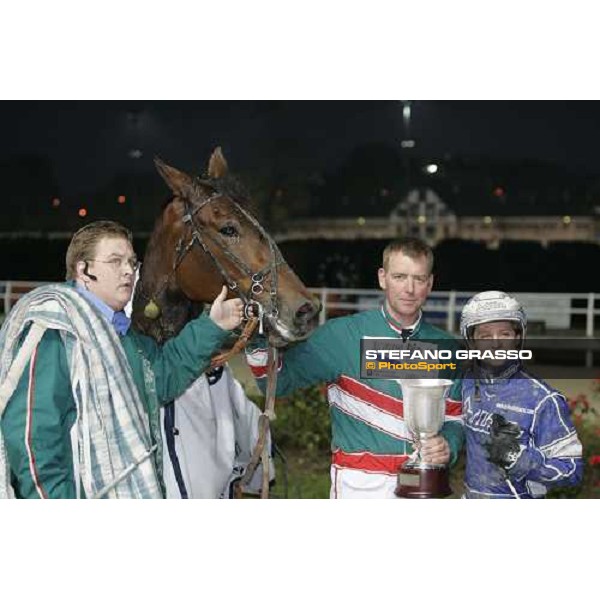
260 452
199 233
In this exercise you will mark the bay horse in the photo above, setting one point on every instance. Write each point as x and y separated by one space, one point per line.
205 237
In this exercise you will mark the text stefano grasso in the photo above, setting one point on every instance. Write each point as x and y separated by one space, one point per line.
459 354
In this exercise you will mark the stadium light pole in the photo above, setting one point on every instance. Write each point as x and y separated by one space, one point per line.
407 143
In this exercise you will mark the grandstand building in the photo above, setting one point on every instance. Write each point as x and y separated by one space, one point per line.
424 214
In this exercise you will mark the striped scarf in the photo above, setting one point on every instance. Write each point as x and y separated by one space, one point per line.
112 447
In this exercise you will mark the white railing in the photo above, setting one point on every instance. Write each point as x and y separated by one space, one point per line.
11 291
554 312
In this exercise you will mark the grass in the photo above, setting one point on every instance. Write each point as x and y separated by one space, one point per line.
307 477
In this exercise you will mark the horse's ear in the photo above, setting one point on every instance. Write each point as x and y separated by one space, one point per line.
217 165
180 183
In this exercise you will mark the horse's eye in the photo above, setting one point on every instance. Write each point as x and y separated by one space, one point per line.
228 230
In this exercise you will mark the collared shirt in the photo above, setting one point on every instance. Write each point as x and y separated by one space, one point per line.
405 331
119 320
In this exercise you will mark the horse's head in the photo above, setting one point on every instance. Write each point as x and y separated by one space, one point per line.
206 237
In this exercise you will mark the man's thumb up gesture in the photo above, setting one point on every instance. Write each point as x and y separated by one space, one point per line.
227 314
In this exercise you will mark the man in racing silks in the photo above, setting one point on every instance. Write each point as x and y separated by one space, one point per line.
520 439
370 438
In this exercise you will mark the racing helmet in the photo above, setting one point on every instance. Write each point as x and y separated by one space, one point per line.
491 306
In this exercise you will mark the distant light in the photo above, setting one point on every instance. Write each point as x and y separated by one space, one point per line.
135 153
407 143
498 192
82 212
567 220
55 202
422 219
406 111
361 221
487 220
432 168
121 199
384 192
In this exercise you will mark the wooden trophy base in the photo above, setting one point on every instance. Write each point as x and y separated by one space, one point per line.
422 481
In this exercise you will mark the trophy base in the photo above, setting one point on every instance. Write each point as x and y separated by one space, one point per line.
423 481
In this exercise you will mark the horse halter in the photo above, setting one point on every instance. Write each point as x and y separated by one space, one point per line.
199 235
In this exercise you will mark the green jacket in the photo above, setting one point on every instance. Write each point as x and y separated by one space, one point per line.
37 427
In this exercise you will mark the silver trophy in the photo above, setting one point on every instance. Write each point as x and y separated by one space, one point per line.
424 411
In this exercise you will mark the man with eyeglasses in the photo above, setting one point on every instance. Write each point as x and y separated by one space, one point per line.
80 391
370 440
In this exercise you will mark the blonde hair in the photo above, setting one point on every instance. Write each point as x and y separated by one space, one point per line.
83 243
412 247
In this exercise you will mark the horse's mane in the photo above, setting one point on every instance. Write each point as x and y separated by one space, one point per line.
176 311
228 185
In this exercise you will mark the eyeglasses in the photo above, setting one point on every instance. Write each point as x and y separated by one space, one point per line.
118 263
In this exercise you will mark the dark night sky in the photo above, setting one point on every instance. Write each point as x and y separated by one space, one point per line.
89 142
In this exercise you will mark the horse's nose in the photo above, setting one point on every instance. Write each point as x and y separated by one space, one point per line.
308 311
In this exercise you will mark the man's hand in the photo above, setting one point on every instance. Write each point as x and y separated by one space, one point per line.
227 314
435 451
503 447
